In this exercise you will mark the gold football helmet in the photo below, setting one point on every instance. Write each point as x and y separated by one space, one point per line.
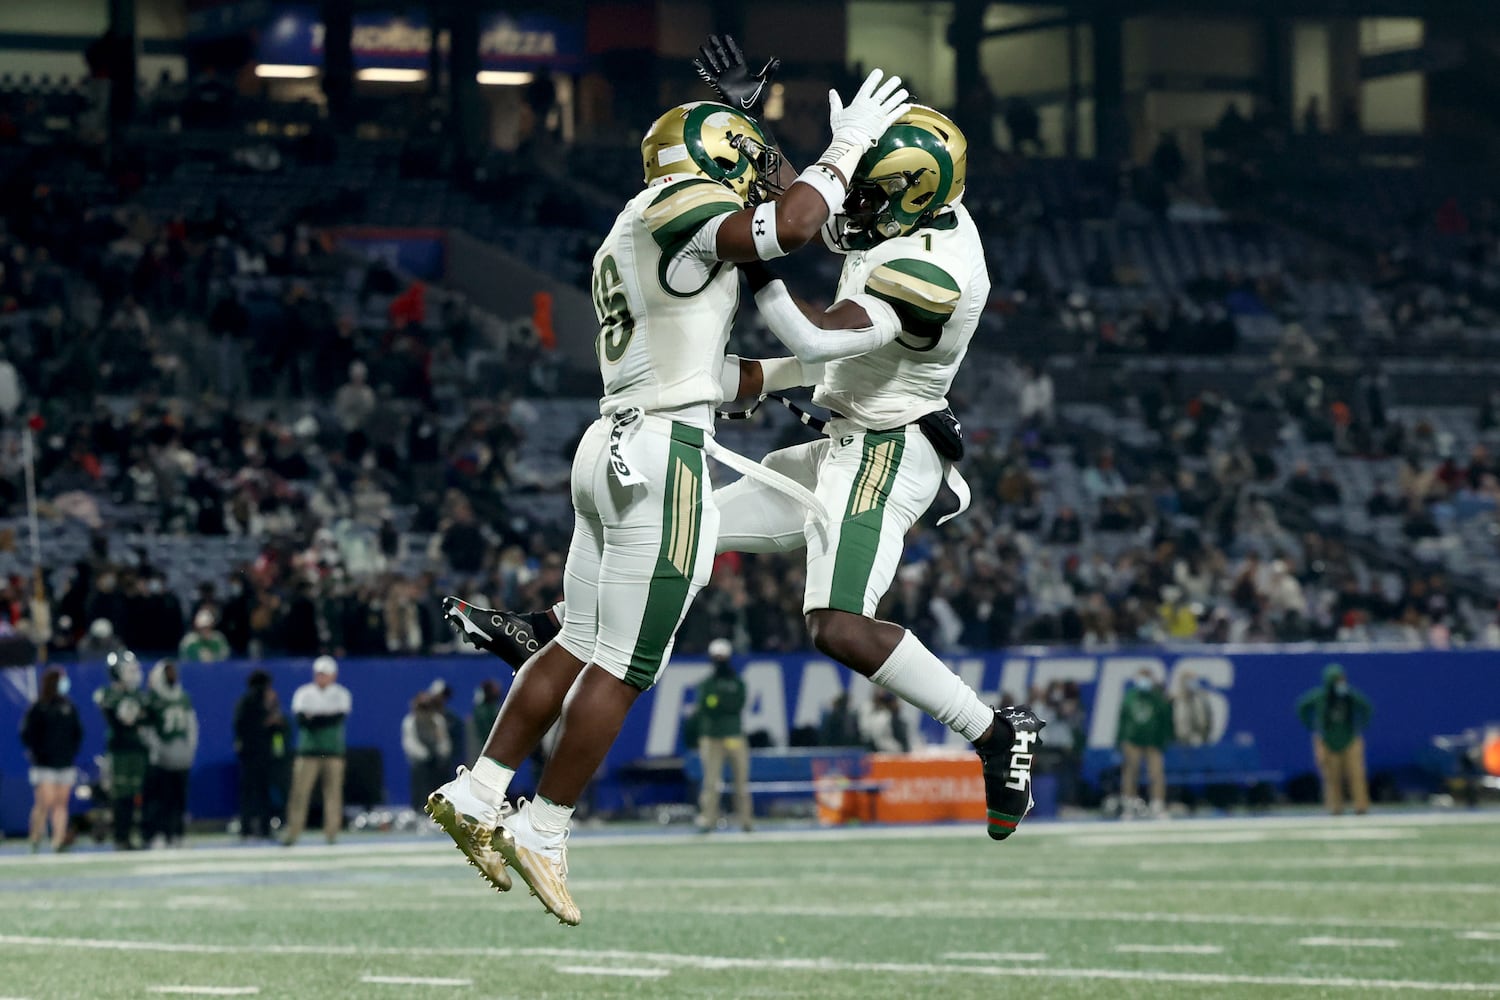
713 141
918 167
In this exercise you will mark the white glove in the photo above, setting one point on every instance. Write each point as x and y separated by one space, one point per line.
855 129
875 106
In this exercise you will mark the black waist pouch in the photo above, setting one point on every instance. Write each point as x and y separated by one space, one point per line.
942 429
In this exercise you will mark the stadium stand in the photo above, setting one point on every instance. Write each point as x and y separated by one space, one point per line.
1325 472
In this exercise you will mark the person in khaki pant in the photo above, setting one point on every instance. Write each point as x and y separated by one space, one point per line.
721 699
1144 730
320 708
1337 716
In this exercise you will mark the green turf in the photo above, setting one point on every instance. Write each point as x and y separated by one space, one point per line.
879 914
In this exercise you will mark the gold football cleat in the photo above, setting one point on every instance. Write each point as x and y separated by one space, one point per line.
472 838
544 872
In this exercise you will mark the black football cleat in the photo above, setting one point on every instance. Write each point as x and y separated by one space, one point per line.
1006 758
512 637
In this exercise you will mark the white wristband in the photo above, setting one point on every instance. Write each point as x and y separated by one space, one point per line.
845 155
823 180
763 232
781 374
729 378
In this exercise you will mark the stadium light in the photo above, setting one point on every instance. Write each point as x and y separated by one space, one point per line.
381 74
276 71
502 78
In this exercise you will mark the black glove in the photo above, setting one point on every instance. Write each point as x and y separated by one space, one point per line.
723 68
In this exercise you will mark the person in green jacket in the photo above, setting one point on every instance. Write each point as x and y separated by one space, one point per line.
205 643
721 699
1145 730
321 709
1337 716
173 741
123 705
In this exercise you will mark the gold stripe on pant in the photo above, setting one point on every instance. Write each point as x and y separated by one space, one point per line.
307 771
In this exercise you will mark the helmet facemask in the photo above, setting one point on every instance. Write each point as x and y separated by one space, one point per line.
916 169
868 215
765 161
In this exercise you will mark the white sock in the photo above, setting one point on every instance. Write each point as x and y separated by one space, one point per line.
548 818
913 674
491 778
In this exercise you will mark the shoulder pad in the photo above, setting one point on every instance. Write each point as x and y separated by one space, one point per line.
678 212
917 289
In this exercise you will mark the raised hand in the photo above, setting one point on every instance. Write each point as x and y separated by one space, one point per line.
722 66
876 105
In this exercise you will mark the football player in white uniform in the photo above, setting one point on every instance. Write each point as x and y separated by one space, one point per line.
645 525
913 258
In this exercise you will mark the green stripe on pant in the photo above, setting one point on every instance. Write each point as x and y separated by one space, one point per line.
864 516
672 580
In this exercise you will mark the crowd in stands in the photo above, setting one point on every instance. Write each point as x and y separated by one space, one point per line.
372 443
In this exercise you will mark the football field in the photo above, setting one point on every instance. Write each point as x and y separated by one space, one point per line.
1397 905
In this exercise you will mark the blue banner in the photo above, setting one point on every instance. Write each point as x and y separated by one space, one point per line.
293 35
1416 695
418 252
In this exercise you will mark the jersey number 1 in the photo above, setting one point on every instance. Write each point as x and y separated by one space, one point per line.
616 325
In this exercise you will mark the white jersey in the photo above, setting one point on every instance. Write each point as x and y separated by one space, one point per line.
936 280
664 301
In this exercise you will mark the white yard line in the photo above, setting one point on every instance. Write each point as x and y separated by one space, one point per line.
207 991
996 956
814 965
367 847
905 911
1169 949
252 866
1480 935
1465 861
415 981
604 970
1341 942
1158 835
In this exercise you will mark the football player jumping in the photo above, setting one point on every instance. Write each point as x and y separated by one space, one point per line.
645 521
913 258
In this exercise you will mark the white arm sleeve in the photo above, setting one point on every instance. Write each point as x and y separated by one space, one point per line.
812 344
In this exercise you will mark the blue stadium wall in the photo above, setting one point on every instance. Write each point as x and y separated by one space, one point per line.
1416 695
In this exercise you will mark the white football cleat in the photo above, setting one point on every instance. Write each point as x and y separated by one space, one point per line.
541 862
471 822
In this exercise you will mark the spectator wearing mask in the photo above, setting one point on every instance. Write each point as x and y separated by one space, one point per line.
721 736
424 740
260 731
320 708
205 643
1145 730
51 732
1337 715
173 740
123 705
1192 712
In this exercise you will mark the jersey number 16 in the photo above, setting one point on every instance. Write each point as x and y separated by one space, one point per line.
616 325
